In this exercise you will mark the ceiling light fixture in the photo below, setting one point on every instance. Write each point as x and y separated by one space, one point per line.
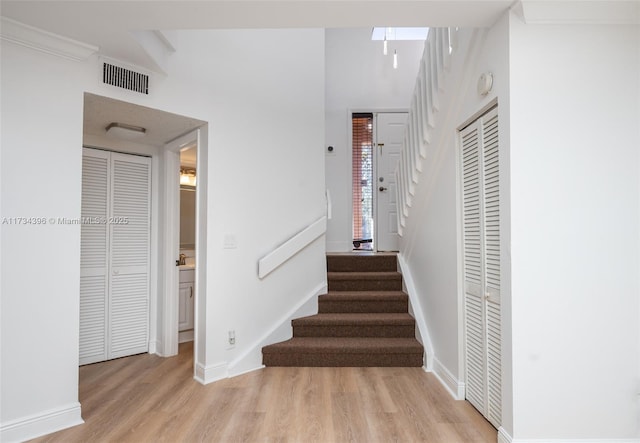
123 130
395 59
187 176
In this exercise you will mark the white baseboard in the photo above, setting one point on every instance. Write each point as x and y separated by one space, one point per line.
251 359
417 312
448 380
153 347
576 440
185 336
503 436
209 374
41 424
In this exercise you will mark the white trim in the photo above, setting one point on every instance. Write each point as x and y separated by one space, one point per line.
455 387
168 327
44 423
594 12
251 359
200 303
168 335
503 436
418 313
44 41
576 440
211 373
185 336
153 346
291 247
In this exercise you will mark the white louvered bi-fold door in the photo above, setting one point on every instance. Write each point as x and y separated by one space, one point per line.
481 235
115 243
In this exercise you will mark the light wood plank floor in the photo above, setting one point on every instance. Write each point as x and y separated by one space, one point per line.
147 398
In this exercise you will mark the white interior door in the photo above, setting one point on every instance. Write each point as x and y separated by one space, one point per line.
115 255
481 234
389 138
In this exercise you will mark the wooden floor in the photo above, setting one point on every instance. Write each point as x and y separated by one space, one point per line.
147 398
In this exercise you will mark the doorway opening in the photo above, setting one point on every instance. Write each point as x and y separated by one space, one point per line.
187 255
377 140
362 177
160 141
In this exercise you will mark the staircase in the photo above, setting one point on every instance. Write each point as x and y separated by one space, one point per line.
363 320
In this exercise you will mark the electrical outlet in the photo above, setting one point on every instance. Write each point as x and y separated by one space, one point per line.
232 337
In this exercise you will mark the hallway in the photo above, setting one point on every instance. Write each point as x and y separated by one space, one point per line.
147 398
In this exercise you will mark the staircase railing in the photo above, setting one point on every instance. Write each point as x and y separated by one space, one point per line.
439 48
291 247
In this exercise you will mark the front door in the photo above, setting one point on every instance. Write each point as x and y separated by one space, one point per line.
390 128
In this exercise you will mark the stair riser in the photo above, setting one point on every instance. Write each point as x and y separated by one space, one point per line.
344 360
384 263
365 285
326 307
389 331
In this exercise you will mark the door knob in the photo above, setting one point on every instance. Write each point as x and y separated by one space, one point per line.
382 188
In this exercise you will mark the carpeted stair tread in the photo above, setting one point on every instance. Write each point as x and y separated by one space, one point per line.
369 318
363 301
364 281
346 345
361 262
377 275
364 295
363 320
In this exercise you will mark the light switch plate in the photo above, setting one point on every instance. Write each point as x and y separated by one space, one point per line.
230 241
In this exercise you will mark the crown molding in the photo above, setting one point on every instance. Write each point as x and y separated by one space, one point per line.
44 41
586 12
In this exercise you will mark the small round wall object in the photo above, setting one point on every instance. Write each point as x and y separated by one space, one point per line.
330 148
485 83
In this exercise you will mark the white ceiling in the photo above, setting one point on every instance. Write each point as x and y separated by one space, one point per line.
161 126
110 25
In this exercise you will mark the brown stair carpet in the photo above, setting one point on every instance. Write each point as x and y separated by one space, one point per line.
363 320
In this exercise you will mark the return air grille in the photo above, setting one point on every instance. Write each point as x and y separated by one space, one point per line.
125 78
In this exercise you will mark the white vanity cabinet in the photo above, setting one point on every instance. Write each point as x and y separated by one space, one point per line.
186 296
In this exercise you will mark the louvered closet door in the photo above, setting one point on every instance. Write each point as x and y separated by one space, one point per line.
481 225
129 258
115 244
94 246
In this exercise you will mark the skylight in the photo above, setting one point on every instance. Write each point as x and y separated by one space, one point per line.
399 33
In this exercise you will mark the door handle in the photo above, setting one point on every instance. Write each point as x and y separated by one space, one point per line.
382 188
191 291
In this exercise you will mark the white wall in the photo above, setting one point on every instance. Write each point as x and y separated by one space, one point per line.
431 239
570 216
575 215
265 110
265 90
41 162
358 78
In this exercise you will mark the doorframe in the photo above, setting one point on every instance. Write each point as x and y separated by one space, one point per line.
170 245
375 112
462 335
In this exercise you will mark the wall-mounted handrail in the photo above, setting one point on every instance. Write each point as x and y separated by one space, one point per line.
291 247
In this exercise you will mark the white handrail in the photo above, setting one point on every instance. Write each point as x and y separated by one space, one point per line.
291 247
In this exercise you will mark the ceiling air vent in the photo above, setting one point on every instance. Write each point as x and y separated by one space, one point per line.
125 78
